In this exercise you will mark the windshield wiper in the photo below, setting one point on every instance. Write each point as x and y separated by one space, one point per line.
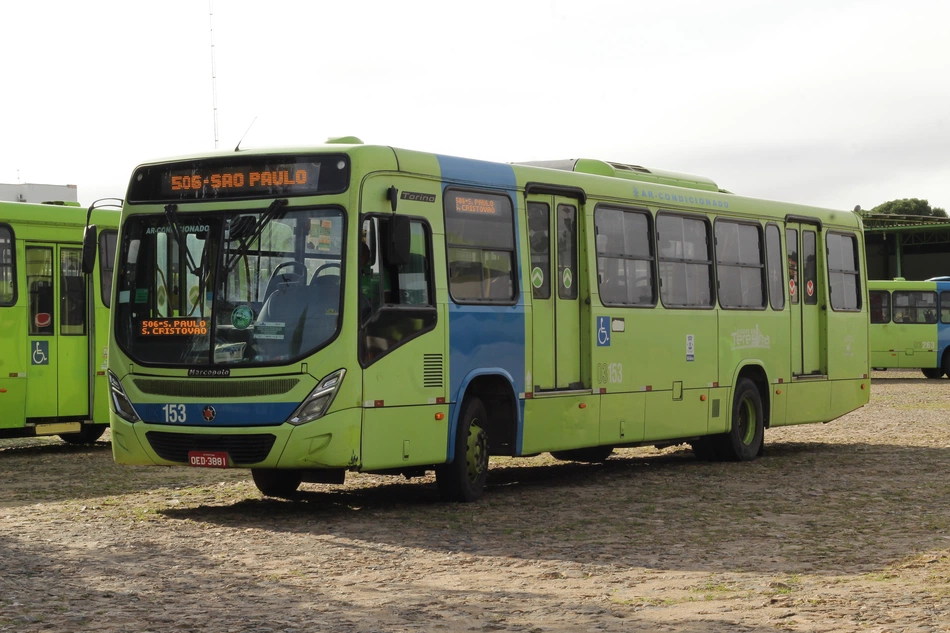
274 212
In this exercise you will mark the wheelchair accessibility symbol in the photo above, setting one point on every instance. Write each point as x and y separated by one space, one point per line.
603 331
40 351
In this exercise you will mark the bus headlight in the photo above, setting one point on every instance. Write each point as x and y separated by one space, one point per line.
120 402
319 400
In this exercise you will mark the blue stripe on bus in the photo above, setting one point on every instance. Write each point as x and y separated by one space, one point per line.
485 339
943 329
243 414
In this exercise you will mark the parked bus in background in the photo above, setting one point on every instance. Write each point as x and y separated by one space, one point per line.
54 321
346 307
910 325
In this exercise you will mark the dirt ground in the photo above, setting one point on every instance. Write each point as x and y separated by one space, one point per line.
840 527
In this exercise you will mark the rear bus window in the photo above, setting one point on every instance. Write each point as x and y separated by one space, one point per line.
843 273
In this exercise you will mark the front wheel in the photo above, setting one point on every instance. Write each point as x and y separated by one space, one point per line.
932 372
463 479
88 435
273 482
744 440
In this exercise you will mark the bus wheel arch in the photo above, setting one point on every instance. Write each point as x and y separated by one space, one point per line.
486 424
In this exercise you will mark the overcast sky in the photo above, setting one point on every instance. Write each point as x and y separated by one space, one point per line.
826 102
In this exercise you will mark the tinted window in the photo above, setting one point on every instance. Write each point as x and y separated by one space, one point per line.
39 282
7 268
479 234
740 265
915 307
843 272
880 306
810 277
567 281
773 250
624 257
106 264
72 289
539 228
791 242
685 265
945 307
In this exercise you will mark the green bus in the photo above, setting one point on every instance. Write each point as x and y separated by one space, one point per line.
347 307
54 320
910 325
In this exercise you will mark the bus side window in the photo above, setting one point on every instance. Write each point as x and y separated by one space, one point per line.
945 307
7 267
880 306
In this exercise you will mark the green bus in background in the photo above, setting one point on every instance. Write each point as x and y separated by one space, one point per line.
308 312
910 325
54 321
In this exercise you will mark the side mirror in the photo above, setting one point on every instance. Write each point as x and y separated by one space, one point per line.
397 244
89 249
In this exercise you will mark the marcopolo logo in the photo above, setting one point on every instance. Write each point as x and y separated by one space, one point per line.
748 338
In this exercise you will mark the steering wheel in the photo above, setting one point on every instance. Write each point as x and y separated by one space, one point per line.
322 268
289 278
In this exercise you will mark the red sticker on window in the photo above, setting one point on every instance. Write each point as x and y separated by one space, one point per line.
43 319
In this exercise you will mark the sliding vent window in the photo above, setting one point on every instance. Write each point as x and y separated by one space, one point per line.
740 264
685 265
624 257
479 232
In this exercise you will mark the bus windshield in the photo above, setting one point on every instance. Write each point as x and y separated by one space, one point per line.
244 288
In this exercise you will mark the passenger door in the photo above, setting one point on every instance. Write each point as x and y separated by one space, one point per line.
58 369
555 280
805 295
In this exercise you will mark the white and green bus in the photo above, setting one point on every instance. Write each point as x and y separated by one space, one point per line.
308 312
54 320
910 325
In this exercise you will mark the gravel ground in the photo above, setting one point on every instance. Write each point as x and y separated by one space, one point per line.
840 527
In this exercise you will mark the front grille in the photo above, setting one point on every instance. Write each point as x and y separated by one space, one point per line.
209 389
243 449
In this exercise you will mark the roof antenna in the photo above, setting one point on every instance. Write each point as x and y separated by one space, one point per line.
214 91
238 146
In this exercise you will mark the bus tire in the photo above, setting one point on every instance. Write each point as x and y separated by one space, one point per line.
463 479
591 455
933 372
744 440
88 435
275 482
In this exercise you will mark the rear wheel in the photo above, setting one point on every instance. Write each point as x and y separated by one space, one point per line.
89 434
933 372
744 440
273 482
463 479
593 455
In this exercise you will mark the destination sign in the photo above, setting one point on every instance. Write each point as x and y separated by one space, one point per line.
482 206
245 177
174 327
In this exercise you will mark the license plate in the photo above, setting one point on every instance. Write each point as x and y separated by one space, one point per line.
208 459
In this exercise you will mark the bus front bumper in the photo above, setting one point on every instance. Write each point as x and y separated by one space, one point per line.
332 441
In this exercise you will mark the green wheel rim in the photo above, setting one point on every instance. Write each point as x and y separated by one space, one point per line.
746 421
476 454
